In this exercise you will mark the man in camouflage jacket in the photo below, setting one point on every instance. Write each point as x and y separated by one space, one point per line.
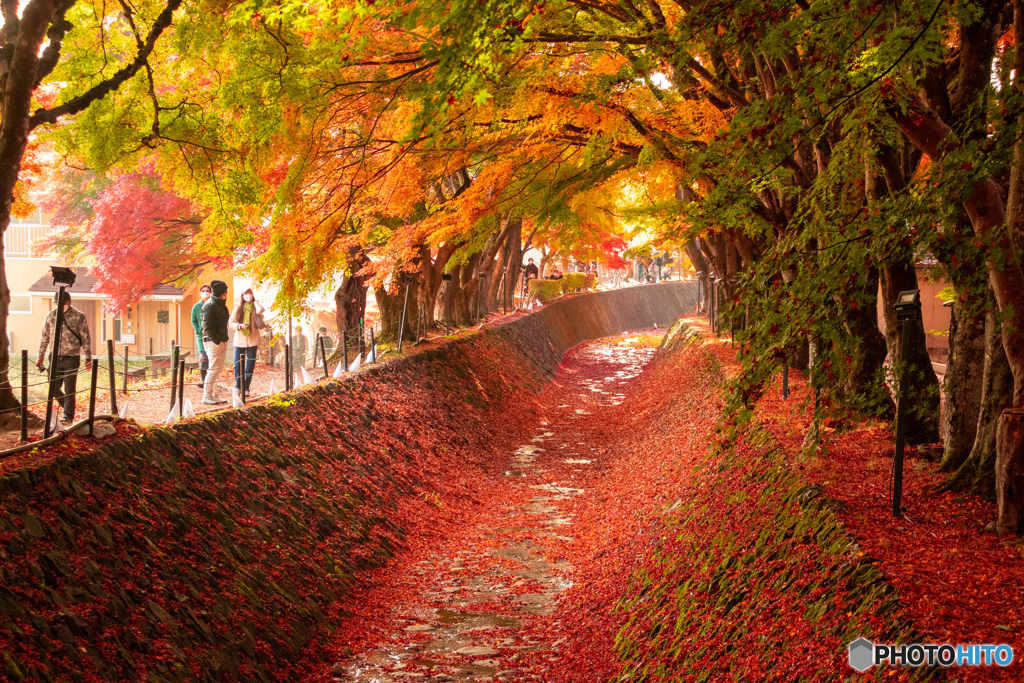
74 343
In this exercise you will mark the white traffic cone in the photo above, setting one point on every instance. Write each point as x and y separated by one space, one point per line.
306 377
273 388
339 371
355 363
124 411
189 410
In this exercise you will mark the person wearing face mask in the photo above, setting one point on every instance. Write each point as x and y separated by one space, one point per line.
247 322
197 324
74 343
215 338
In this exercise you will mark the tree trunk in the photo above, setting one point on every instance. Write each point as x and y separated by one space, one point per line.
510 253
865 381
977 473
700 264
350 299
463 285
496 276
1010 471
20 68
483 262
390 306
963 391
431 272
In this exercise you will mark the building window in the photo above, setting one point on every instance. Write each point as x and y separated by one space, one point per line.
117 328
20 303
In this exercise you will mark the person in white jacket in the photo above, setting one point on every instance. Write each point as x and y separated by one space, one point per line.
247 322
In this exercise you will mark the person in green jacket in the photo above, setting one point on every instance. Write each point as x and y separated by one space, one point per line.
197 325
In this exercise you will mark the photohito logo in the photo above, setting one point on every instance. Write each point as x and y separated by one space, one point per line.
864 654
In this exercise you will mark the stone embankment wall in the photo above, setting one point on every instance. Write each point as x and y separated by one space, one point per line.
218 549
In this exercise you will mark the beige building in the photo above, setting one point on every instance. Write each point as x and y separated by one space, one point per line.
147 327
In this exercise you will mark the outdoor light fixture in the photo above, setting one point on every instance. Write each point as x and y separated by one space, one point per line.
63 276
908 305
908 310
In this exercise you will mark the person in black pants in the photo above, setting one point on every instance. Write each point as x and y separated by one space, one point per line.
74 343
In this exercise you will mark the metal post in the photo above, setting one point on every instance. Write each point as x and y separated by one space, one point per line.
785 378
24 394
273 344
54 360
174 374
151 346
113 377
124 375
92 394
288 366
181 389
901 423
323 355
242 362
373 345
405 309
344 345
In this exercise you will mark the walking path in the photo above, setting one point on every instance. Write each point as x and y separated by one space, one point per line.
482 602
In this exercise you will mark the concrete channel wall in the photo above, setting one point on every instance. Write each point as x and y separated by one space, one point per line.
577 319
222 548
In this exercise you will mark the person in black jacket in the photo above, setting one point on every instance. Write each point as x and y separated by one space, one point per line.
215 338
530 270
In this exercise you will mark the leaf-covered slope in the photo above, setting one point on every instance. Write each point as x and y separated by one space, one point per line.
750 577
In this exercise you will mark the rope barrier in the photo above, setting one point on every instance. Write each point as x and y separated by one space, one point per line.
55 437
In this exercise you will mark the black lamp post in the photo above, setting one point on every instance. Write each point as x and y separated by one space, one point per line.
447 277
63 277
908 310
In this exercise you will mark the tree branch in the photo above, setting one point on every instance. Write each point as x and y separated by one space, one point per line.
59 28
587 38
102 89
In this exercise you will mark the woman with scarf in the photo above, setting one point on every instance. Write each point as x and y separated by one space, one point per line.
247 322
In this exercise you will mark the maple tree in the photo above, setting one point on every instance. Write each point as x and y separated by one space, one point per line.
137 235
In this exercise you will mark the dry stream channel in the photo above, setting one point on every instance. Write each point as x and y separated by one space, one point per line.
485 592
